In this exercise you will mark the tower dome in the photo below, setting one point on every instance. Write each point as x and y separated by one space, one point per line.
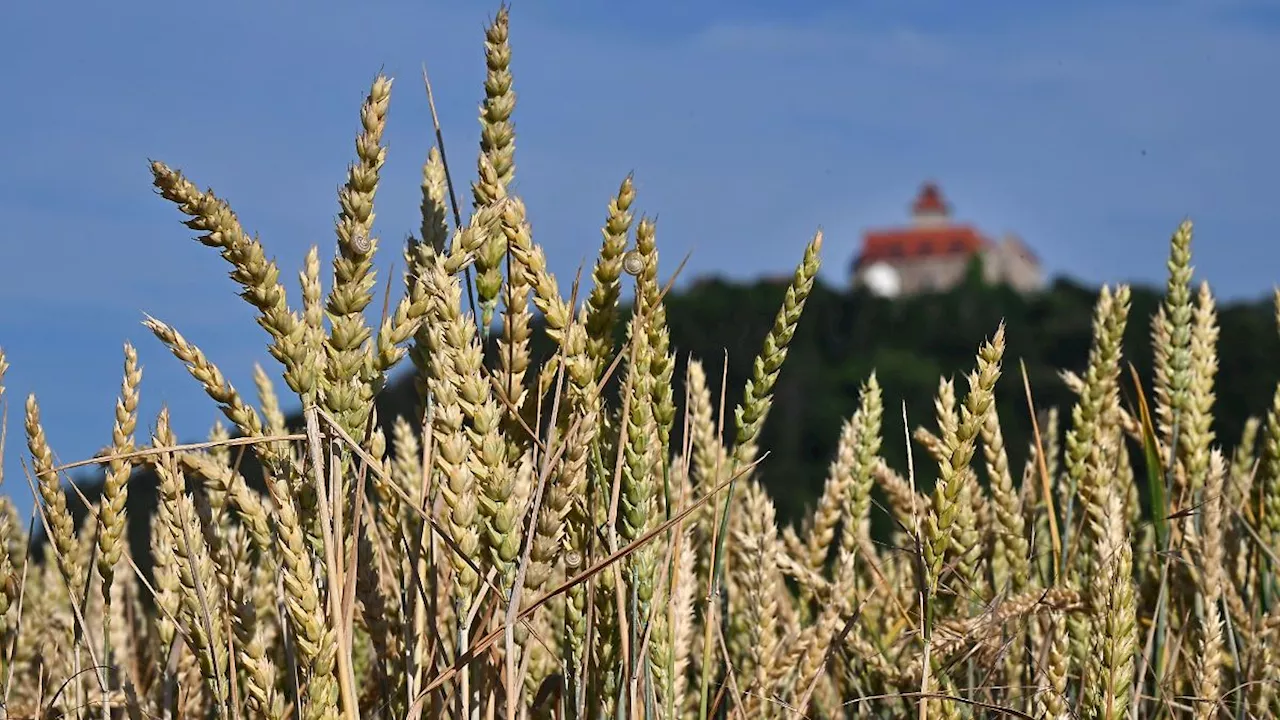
929 207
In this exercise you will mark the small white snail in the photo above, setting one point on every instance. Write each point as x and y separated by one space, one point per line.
361 243
633 262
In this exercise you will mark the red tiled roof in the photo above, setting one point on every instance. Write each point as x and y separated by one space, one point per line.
920 242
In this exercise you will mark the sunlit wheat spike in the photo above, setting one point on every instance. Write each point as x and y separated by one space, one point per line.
115 489
497 157
952 476
60 526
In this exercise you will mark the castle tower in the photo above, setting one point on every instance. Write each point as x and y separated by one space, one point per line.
929 208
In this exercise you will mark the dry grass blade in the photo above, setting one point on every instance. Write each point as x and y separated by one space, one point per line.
1042 471
178 448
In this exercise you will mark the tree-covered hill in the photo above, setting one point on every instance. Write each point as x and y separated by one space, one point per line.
910 343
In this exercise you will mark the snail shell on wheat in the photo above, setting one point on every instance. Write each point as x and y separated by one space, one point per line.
633 262
361 242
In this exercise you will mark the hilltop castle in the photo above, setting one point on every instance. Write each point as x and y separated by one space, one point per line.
933 254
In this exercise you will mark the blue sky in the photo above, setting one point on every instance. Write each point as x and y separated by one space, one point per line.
1089 128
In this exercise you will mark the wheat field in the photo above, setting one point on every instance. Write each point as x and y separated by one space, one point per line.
529 545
